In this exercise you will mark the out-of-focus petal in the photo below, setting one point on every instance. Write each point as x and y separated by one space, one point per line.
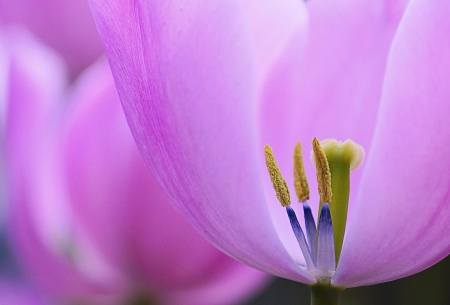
15 294
4 74
65 25
185 75
238 280
122 207
95 166
38 221
400 222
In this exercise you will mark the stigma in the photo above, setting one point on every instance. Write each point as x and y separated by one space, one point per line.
321 245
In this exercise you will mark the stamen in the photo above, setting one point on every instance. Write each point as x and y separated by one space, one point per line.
323 172
322 244
298 232
325 253
310 225
300 182
279 184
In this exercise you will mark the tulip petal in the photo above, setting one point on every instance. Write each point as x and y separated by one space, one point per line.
274 25
96 168
36 79
330 90
185 75
400 222
13 294
232 286
123 209
64 25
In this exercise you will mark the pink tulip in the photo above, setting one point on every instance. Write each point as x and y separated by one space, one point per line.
88 220
65 25
206 84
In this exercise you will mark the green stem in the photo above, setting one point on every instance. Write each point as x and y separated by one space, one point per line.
325 294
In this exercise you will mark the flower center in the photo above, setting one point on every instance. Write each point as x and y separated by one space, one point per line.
321 247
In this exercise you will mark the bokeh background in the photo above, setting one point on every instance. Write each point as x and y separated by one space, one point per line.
427 287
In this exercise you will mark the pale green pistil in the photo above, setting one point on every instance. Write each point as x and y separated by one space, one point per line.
341 157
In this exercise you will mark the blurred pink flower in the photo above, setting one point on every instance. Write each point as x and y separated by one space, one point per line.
87 219
65 25
206 84
15 294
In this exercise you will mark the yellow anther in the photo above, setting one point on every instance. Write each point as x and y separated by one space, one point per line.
300 182
323 172
279 184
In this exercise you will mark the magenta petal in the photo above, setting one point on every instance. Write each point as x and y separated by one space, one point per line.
37 227
274 25
280 30
185 77
231 287
96 167
15 294
47 261
124 210
330 90
65 25
400 223
34 78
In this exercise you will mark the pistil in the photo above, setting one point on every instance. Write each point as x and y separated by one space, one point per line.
341 159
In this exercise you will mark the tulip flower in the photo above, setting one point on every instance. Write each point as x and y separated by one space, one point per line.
88 221
205 85
65 25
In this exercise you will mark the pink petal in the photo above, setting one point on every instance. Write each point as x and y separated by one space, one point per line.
95 152
126 212
400 224
34 79
230 288
38 228
185 77
331 90
274 25
65 25
14 294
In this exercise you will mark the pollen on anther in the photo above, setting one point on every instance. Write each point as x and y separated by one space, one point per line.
300 182
279 184
322 172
